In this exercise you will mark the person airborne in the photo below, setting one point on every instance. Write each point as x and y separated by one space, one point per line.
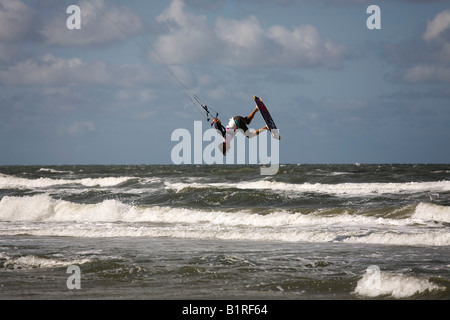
236 123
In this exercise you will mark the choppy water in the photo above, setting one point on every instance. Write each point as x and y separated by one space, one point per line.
225 232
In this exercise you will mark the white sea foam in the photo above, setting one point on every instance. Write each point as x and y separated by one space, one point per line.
12 182
207 231
432 212
44 208
412 238
32 261
53 170
345 189
381 283
339 189
44 216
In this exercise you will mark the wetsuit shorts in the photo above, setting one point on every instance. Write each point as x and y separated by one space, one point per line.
241 122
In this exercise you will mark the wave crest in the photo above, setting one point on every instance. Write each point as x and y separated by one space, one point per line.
375 283
56 217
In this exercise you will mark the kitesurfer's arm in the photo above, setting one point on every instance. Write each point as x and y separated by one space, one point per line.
219 127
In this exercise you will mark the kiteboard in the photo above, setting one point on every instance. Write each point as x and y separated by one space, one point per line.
267 117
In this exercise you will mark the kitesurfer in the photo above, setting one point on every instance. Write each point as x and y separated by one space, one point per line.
236 123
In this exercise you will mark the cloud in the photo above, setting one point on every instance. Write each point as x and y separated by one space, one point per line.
190 39
427 73
436 67
302 46
18 22
101 24
49 70
437 26
425 59
243 42
22 24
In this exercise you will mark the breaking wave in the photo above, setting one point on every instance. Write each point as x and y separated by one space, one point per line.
64 218
350 189
376 283
12 182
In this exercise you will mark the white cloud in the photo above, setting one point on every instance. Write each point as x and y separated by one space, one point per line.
49 70
425 59
189 39
427 73
437 26
101 23
304 46
243 42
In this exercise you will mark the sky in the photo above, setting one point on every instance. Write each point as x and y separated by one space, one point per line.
114 91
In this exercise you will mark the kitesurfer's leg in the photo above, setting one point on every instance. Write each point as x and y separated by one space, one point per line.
251 115
255 133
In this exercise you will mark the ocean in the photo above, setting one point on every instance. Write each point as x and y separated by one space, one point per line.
207 232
